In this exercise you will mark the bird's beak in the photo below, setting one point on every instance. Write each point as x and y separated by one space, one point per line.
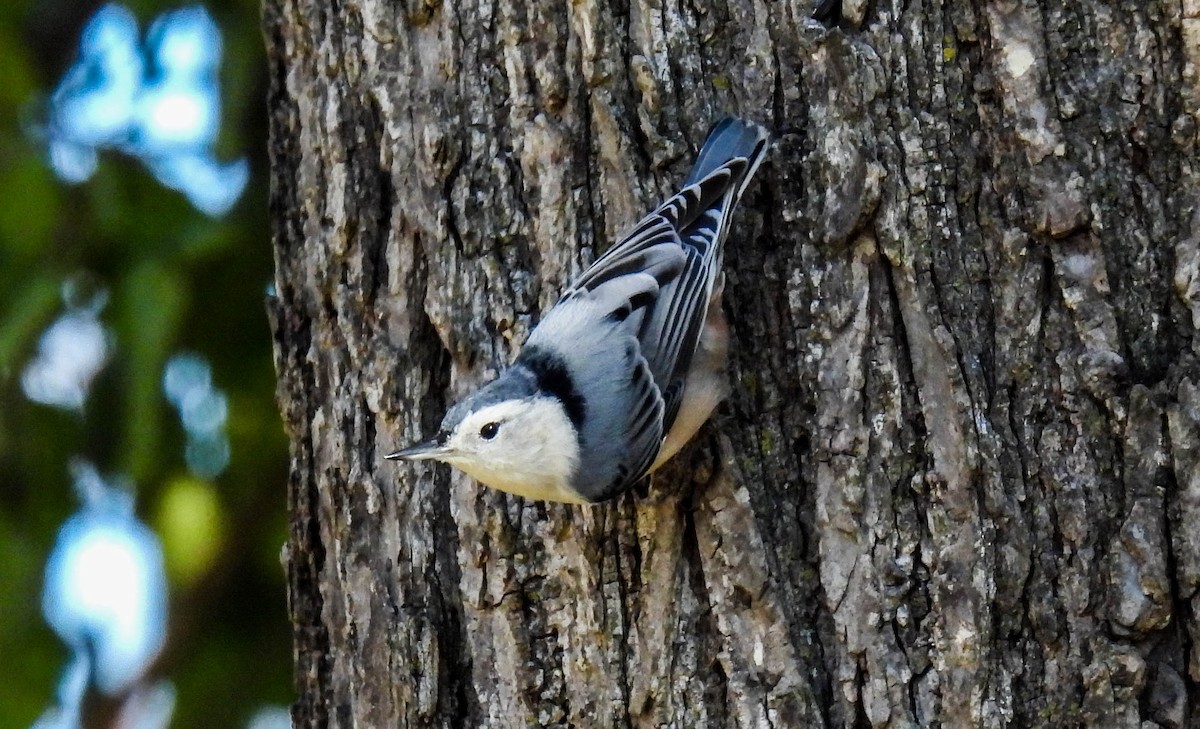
430 449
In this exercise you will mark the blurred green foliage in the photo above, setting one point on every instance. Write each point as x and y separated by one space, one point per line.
176 280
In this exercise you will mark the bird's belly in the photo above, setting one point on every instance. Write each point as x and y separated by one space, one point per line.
540 489
706 384
543 492
692 414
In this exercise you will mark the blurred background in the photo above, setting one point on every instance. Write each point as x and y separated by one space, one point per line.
142 461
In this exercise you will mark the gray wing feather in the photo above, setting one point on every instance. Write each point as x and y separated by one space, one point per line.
653 247
646 429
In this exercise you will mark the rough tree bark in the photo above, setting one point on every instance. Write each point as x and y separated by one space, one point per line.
957 483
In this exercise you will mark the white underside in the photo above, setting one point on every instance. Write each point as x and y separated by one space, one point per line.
542 489
706 384
542 492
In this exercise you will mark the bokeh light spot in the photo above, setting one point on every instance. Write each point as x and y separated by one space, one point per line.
190 521
105 591
160 103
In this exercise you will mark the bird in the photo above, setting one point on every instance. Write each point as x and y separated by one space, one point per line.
629 363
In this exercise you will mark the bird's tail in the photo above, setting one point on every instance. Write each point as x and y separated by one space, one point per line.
730 139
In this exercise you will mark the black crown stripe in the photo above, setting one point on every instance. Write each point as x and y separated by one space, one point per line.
553 378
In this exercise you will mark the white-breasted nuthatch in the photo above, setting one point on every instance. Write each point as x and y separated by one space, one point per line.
630 362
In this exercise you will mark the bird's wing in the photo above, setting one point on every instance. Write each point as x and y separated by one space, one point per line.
691 218
645 429
656 283
678 245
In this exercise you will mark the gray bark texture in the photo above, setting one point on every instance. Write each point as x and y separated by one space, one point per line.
957 482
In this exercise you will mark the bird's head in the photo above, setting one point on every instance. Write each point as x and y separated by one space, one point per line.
509 436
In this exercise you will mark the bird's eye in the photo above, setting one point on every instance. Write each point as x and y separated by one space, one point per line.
488 431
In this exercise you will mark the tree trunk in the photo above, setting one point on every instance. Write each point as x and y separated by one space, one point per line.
957 482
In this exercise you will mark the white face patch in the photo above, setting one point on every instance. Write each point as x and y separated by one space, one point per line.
527 447
502 414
